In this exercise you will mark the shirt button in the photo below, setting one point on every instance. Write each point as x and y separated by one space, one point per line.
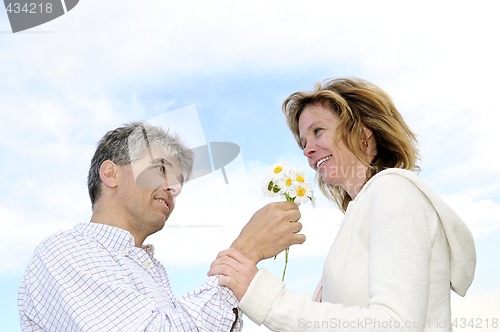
145 264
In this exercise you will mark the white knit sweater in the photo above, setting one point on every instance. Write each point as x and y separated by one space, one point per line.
391 266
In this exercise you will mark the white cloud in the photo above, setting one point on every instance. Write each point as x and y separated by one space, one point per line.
120 40
481 216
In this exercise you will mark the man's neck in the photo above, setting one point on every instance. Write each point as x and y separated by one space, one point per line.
112 217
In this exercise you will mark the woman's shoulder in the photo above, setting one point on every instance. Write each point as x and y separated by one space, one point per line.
394 179
396 173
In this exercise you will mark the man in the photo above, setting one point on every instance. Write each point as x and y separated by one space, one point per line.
99 276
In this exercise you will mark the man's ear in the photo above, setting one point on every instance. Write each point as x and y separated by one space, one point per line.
108 173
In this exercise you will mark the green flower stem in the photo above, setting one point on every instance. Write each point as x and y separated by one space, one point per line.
286 262
289 199
273 188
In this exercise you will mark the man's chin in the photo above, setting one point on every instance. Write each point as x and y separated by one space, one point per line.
161 224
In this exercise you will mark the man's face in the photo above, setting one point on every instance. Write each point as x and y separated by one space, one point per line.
149 186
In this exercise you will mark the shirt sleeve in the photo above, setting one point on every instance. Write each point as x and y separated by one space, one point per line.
65 290
208 308
398 265
213 307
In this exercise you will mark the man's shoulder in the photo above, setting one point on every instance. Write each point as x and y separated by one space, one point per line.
63 240
72 249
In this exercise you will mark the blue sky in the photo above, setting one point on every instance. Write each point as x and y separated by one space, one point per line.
65 83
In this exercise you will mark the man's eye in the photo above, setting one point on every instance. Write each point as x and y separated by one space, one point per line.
161 169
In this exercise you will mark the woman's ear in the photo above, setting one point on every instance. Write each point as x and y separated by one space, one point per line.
108 173
367 134
368 143
365 138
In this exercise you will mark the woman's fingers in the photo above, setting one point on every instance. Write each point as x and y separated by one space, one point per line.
235 271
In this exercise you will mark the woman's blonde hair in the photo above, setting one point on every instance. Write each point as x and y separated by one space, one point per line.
358 104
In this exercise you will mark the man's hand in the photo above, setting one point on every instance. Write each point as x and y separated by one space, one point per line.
271 230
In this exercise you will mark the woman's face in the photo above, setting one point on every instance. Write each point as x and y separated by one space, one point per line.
336 164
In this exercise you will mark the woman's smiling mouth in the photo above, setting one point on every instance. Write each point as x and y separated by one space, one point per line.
322 161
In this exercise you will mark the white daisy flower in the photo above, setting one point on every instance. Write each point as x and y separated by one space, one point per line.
290 185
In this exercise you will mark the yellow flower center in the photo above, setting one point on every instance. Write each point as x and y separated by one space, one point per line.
301 191
278 169
288 182
299 178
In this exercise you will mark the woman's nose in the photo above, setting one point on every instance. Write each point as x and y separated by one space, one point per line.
308 150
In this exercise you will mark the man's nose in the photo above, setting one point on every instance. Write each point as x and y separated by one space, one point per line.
173 186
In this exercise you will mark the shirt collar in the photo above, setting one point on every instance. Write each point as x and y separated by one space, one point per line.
110 236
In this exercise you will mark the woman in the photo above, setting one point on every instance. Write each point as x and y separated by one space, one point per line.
400 247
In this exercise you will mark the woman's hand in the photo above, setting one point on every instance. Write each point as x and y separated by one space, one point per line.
235 271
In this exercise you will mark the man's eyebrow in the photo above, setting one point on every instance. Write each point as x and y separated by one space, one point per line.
161 161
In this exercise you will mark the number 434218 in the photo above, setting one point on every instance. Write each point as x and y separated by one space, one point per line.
29 8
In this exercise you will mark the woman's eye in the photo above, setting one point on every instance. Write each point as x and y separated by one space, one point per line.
317 131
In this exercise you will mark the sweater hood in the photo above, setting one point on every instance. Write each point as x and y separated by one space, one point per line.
460 240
